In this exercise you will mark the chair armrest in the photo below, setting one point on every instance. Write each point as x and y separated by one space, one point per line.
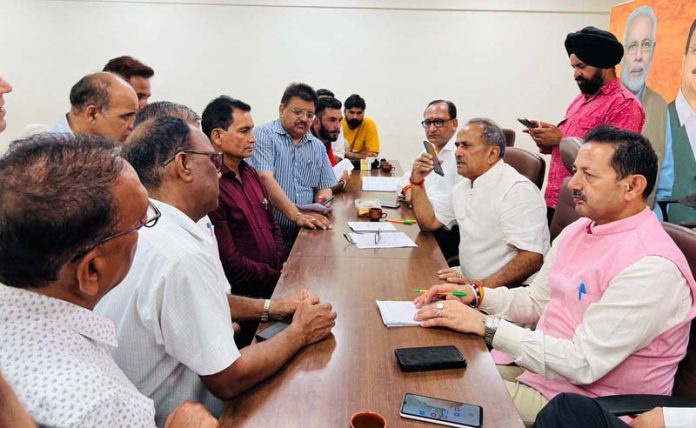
633 404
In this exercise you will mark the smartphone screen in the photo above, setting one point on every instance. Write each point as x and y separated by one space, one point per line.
437 167
441 411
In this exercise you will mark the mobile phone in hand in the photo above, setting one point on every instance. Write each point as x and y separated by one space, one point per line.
437 166
527 123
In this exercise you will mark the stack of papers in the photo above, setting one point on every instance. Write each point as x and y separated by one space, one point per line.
380 184
397 314
344 165
384 240
364 226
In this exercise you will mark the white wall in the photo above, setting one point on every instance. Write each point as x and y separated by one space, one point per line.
501 59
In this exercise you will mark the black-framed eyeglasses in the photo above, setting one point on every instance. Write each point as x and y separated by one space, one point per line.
218 159
438 123
152 217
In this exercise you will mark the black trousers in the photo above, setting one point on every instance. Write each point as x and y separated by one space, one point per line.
576 411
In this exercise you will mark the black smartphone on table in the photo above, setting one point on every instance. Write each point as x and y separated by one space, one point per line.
437 165
272 330
440 411
429 358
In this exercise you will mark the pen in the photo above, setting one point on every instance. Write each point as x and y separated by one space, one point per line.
407 222
450 293
328 201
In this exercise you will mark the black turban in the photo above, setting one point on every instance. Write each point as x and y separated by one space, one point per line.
594 47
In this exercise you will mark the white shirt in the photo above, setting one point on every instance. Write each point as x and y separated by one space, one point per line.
687 119
630 300
57 358
440 186
501 213
62 126
172 314
679 417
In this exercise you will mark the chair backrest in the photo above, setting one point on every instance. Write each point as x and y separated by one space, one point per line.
529 164
569 148
509 137
565 211
685 379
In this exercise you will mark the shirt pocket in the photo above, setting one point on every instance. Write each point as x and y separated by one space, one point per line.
579 298
309 173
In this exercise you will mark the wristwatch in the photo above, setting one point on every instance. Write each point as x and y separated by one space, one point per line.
266 309
491 324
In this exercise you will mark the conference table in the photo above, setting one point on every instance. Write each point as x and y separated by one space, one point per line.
355 369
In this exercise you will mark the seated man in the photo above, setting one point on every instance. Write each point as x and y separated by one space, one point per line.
173 311
167 108
326 127
360 132
292 163
70 213
249 239
612 304
500 213
100 104
134 72
338 147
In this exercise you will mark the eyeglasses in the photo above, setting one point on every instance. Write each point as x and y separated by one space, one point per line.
646 47
152 217
438 123
298 113
218 159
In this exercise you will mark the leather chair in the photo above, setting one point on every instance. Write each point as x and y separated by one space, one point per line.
684 392
565 209
569 148
529 164
509 137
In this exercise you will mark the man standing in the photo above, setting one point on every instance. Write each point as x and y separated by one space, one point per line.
173 312
134 72
326 127
292 163
101 104
248 236
500 213
639 51
593 54
359 131
609 272
677 178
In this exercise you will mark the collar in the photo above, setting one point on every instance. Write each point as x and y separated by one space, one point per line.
683 109
22 304
174 215
489 177
450 146
63 126
606 89
641 92
620 226
226 172
277 127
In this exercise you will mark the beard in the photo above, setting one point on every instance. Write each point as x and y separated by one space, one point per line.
631 82
591 86
325 135
354 123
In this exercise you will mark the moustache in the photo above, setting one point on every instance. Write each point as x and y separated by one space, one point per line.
578 194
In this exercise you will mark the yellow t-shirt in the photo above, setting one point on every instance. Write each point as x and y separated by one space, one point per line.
362 138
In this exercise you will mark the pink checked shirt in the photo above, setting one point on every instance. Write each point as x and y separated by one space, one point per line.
613 105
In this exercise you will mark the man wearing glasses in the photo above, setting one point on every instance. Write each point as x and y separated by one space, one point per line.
173 311
293 164
639 51
65 246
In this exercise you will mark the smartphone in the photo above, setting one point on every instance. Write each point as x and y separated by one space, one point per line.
437 166
440 411
429 358
527 123
272 331
386 204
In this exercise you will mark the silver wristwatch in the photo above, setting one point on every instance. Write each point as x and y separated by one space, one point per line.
491 324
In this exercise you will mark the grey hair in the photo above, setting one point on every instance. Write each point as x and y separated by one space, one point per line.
166 108
643 10
491 134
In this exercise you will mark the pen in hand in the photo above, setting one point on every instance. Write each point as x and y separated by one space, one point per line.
446 293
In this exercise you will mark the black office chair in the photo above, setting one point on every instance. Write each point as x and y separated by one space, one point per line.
688 200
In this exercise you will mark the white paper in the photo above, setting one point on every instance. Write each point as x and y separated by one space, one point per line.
371 226
316 207
386 240
380 184
397 313
344 165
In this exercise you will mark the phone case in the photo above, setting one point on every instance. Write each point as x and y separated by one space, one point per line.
271 331
437 165
429 358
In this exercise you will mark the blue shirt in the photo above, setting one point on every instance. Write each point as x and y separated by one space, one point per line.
300 170
665 181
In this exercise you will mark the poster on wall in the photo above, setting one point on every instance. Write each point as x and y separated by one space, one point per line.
659 67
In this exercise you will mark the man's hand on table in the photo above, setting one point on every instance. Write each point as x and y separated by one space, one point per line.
313 221
453 275
190 415
438 292
313 321
452 314
285 308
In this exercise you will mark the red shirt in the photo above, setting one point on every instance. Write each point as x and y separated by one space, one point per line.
249 238
612 105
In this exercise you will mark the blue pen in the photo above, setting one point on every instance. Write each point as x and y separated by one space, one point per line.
210 228
581 290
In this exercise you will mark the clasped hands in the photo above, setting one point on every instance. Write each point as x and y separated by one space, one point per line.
438 308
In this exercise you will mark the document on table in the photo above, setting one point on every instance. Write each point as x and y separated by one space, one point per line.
381 240
397 314
371 226
380 184
344 165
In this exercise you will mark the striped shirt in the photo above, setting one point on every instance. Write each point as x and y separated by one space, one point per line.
300 170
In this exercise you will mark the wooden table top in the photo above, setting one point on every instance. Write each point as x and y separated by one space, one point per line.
355 369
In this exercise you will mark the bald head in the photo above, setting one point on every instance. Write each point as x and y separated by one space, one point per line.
103 104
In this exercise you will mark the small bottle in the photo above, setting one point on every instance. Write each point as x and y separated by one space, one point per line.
364 165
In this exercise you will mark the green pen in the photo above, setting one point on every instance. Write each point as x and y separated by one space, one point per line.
447 293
